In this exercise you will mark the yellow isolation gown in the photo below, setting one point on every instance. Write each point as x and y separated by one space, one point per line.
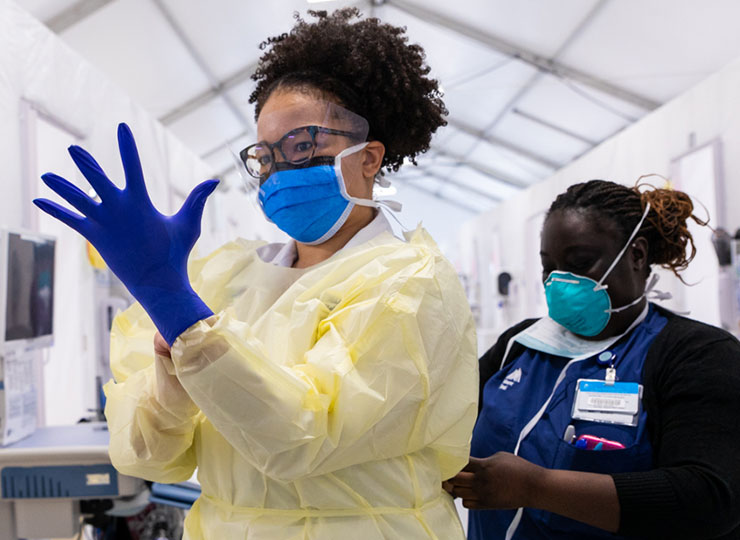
324 403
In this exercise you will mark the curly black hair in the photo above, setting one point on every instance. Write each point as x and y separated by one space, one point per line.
665 227
363 65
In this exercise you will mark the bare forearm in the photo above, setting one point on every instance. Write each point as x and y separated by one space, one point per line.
587 497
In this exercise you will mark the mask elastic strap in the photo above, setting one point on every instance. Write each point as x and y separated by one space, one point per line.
626 245
340 176
391 205
350 150
650 293
391 209
627 306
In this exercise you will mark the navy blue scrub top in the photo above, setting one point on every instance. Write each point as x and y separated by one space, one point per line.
516 393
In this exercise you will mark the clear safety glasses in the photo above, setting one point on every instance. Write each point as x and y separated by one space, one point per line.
297 146
296 136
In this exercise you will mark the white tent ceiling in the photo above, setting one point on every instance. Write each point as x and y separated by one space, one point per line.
530 84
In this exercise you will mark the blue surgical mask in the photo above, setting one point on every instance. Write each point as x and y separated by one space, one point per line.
581 304
309 202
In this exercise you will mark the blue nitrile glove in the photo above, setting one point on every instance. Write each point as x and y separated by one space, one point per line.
148 251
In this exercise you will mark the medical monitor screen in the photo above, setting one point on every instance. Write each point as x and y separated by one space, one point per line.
30 287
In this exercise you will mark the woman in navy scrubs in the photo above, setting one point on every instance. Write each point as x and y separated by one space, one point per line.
612 417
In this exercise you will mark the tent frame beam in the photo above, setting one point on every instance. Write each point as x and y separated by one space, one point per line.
553 127
493 174
74 14
527 56
216 90
413 185
202 64
503 143
448 180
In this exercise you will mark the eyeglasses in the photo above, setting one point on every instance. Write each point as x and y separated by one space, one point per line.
296 147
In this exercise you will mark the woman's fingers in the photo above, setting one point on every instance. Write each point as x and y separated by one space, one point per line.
448 487
473 504
75 221
463 479
160 346
191 212
70 193
106 189
465 493
474 464
462 485
131 162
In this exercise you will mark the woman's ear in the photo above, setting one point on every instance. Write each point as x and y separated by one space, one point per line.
372 158
639 255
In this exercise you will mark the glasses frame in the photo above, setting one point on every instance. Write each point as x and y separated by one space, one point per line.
312 130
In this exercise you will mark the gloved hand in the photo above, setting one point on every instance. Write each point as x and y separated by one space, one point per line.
147 250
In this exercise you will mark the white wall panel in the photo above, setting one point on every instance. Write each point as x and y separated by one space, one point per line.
42 78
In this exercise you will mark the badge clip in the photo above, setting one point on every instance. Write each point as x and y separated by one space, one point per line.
607 358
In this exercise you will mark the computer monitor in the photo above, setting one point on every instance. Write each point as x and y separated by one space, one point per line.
26 289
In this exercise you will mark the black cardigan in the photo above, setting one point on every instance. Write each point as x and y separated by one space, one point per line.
691 395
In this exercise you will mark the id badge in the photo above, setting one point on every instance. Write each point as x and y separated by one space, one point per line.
616 403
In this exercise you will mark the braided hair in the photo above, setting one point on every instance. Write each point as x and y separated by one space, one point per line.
363 65
665 228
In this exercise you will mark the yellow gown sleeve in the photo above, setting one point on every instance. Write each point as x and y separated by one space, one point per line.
390 369
151 419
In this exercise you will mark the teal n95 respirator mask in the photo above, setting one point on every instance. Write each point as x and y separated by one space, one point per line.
581 304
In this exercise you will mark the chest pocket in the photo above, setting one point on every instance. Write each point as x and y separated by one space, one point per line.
635 457
567 456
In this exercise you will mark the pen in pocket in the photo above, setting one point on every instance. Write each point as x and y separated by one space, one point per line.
591 442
